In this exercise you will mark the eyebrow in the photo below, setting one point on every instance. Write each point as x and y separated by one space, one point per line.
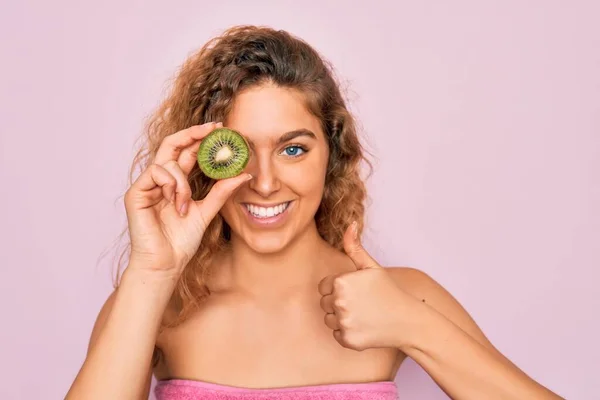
291 135
294 134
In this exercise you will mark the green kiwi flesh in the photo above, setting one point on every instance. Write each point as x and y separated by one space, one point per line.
223 154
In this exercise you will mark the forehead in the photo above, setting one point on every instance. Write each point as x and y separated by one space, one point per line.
266 112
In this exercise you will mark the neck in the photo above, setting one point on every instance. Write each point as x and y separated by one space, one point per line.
292 270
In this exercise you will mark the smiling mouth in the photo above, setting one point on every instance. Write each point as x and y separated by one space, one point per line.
261 212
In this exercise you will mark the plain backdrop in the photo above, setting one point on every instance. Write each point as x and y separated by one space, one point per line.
484 118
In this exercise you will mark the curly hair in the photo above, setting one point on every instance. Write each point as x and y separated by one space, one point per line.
204 90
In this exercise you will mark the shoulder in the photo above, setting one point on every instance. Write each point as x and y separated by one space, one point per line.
414 281
426 289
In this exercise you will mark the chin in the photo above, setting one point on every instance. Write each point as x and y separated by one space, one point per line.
267 242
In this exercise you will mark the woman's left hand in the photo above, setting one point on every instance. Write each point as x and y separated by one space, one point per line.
366 308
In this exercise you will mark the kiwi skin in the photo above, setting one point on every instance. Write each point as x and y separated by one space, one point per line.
218 139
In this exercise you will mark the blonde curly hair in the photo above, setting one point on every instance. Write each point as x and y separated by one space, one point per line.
204 90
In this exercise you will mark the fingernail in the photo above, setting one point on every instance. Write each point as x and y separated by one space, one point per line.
249 177
355 229
183 209
219 124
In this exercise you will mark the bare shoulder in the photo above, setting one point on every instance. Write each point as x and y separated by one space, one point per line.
422 286
426 289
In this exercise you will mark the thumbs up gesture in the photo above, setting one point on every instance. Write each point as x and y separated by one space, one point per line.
365 308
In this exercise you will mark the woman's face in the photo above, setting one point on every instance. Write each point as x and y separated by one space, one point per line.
288 161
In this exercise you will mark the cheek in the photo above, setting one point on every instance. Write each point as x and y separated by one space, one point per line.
307 177
228 211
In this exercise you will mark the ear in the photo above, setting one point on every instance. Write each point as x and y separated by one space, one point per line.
356 251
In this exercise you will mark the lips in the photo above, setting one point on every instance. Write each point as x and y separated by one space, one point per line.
272 215
266 212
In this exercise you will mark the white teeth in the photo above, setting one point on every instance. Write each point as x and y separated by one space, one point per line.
266 212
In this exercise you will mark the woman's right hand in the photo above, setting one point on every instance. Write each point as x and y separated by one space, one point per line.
165 224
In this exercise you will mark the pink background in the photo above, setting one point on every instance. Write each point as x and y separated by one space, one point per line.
485 120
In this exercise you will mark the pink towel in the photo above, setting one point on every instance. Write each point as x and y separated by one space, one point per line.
179 389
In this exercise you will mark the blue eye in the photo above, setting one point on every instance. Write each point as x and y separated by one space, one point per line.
293 151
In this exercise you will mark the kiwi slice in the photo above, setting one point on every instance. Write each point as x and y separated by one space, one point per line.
223 153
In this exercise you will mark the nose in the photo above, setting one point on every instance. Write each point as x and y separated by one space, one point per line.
265 181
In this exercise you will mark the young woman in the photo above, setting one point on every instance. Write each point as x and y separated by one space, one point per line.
257 285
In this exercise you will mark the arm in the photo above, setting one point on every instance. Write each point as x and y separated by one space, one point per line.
166 227
453 350
118 363
376 307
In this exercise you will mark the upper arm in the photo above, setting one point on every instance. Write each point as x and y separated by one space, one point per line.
96 331
420 285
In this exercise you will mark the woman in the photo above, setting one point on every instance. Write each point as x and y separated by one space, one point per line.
219 300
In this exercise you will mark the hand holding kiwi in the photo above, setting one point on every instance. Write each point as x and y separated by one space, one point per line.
165 224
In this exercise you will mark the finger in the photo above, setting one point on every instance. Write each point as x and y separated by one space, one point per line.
332 322
188 157
219 194
157 194
143 192
326 285
337 335
356 251
172 146
327 304
183 192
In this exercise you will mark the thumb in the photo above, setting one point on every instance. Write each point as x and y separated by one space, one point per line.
356 251
219 194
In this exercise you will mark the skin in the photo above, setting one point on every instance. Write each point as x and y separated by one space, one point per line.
286 309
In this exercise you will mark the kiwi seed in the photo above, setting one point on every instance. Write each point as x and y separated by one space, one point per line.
223 153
